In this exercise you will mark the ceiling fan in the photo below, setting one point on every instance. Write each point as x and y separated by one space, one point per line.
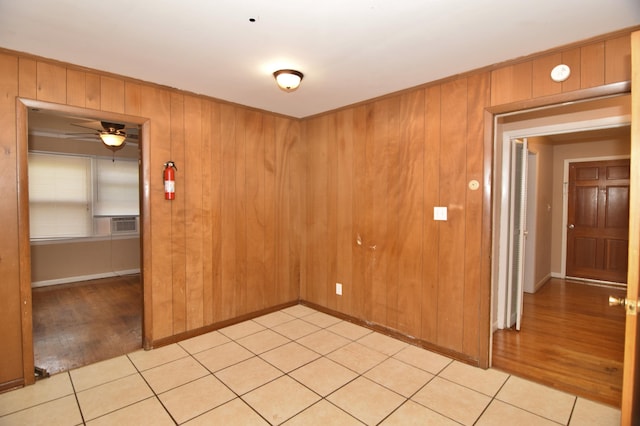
113 135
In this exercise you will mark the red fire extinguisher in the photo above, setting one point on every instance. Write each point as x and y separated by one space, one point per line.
170 180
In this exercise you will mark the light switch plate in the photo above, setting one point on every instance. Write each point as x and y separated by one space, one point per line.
439 213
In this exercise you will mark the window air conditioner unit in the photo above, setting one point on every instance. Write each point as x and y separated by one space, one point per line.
124 225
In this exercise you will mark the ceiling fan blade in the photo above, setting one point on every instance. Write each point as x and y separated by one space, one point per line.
93 125
81 134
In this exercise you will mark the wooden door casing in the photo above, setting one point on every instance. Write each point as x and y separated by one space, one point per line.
598 220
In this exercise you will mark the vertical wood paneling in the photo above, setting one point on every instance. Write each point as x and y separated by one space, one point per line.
93 90
511 83
193 177
255 154
178 214
288 219
228 217
132 98
331 209
409 212
112 94
592 65
344 210
543 85
156 104
293 203
298 209
217 311
317 221
452 232
367 221
376 244
477 96
240 212
10 304
270 205
284 264
208 215
391 242
359 283
52 83
27 78
431 232
572 59
617 59
76 88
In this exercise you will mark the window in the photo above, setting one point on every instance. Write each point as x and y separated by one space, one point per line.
59 196
117 191
67 192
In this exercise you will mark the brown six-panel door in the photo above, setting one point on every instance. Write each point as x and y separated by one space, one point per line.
598 220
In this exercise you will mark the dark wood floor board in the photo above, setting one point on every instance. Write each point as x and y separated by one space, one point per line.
570 339
82 323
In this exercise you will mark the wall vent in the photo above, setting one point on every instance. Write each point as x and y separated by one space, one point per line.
124 225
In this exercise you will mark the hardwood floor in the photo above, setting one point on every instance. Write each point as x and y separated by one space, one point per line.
81 323
570 339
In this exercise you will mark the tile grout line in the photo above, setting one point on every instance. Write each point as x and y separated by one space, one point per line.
237 396
75 395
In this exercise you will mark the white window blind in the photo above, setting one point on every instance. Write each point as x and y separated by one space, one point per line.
117 189
59 196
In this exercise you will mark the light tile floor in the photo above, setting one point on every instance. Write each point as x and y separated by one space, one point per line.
296 366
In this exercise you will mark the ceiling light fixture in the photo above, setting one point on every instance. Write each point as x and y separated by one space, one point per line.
288 80
113 138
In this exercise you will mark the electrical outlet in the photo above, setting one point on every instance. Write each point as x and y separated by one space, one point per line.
339 289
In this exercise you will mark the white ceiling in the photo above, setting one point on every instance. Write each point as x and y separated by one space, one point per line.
349 50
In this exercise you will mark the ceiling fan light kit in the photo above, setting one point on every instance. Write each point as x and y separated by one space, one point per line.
288 80
113 138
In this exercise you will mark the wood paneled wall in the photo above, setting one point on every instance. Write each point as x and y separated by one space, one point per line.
271 209
228 245
376 171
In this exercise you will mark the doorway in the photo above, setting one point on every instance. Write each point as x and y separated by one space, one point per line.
108 250
560 130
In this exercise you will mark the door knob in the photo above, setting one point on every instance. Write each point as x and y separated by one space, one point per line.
630 306
617 301
571 226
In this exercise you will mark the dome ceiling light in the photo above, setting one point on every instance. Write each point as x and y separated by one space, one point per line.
288 80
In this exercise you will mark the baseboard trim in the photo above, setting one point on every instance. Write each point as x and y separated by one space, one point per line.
11 385
396 335
537 286
597 283
158 343
67 280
